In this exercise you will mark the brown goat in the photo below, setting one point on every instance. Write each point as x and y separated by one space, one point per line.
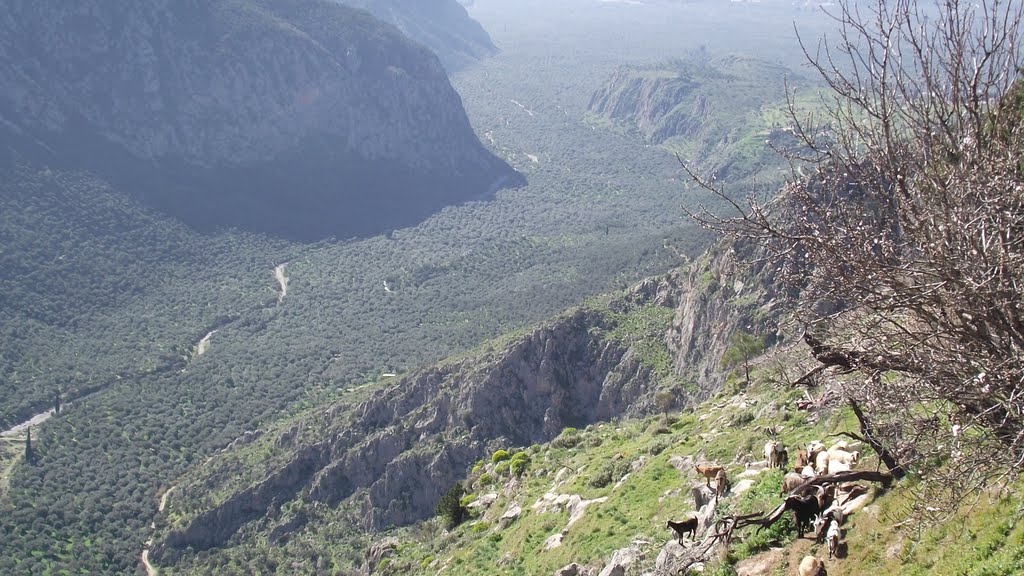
791 481
801 460
722 483
709 472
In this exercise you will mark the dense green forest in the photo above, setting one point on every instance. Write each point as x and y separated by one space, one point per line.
101 293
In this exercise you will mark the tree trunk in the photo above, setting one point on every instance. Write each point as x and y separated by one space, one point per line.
868 435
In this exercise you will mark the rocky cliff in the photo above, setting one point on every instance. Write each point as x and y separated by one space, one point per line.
444 26
717 297
301 118
392 455
716 111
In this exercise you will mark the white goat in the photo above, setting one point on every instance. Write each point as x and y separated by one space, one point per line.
843 456
832 538
772 448
840 445
835 466
821 463
813 448
811 566
834 512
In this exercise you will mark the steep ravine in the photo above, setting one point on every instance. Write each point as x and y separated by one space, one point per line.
394 454
717 296
412 440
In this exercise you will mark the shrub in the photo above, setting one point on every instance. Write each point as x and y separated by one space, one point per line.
657 428
518 464
450 507
485 479
779 533
500 456
502 467
742 419
612 471
567 439
658 445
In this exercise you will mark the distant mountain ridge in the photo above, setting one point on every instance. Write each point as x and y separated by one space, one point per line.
704 107
305 119
444 26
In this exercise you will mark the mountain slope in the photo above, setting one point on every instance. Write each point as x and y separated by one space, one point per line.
385 454
305 119
392 455
600 498
444 26
715 111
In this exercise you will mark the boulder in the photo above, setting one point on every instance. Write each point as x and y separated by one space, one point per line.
763 564
510 515
570 570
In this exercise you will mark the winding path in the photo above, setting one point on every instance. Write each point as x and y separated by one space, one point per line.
33 421
204 344
282 281
150 569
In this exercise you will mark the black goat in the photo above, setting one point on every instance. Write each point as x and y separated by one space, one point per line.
804 509
682 528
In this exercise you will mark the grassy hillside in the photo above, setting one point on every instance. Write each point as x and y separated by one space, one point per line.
715 111
638 474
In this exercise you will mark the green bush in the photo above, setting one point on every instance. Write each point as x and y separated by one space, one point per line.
485 479
742 419
502 468
450 507
657 428
612 471
500 456
519 462
779 533
659 445
569 438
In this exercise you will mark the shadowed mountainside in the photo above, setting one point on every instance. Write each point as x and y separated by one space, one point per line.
444 26
304 119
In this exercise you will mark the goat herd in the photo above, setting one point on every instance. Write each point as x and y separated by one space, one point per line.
816 507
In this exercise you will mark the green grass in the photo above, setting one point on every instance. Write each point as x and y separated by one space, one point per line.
987 539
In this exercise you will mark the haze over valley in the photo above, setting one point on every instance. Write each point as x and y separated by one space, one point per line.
291 268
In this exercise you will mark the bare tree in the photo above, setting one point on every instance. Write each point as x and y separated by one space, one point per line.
904 243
